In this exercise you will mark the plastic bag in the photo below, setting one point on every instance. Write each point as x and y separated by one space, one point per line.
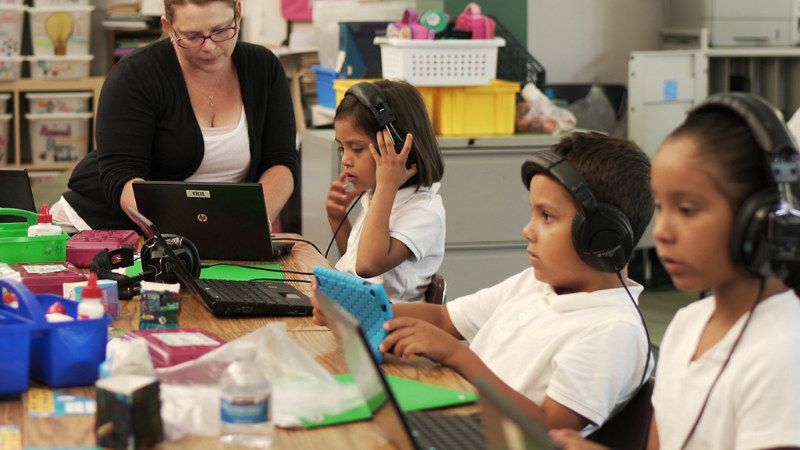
300 386
538 114
594 112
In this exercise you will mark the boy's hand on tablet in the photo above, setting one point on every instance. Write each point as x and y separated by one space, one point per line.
390 165
339 198
409 337
316 314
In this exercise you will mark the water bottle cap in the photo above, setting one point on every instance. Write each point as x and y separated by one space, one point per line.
45 216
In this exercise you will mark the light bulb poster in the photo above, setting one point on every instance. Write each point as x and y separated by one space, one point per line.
60 33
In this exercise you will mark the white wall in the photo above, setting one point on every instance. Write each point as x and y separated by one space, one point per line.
579 41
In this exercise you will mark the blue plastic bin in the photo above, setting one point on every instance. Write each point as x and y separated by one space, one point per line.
15 345
326 95
62 354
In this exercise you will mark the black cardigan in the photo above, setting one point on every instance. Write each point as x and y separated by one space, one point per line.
146 128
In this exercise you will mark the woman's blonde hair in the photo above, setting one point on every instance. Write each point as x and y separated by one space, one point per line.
169 12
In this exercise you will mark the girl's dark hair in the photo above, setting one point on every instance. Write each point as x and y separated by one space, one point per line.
411 116
169 13
739 167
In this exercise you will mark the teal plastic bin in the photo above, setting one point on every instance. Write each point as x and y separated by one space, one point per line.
17 247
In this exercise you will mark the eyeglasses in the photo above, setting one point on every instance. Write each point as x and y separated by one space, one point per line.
194 40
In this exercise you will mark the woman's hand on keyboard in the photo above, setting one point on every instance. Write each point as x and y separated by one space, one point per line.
409 337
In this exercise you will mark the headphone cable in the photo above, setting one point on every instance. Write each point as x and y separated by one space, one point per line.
761 283
279 239
341 222
644 324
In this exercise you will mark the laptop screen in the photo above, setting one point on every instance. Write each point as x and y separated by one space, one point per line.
367 374
199 211
15 192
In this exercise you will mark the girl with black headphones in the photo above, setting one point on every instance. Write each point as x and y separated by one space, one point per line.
389 152
727 221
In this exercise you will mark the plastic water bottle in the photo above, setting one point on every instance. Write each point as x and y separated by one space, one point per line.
245 401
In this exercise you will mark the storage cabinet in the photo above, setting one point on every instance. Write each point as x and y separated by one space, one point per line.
18 129
483 195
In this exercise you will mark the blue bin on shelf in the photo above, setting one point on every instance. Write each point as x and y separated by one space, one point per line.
326 95
62 354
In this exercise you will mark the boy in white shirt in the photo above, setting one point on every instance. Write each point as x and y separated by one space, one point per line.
562 339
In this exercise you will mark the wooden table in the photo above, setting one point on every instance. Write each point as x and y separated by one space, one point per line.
79 430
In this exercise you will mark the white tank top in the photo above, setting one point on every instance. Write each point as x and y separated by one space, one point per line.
227 153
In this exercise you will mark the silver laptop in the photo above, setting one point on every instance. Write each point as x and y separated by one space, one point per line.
225 221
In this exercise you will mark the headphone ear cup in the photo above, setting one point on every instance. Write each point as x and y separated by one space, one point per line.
749 245
103 263
153 258
603 238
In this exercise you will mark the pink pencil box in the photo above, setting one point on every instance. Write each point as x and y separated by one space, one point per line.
409 28
472 20
48 278
82 247
172 346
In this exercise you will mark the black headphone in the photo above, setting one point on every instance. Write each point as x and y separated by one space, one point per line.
766 230
601 233
155 265
373 99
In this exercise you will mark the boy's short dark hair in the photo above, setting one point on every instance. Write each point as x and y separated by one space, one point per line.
617 171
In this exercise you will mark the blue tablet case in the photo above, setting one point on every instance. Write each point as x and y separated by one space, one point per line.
366 301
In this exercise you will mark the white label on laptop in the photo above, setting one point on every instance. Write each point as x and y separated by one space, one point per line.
196 193
186 339
45 268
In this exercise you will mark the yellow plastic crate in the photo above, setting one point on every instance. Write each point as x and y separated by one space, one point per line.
476 110
342 85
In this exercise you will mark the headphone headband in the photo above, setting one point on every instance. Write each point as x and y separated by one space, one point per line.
552 163
373 99
768 128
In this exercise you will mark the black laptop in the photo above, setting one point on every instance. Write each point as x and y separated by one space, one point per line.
15 192
224 220
414 430
226 298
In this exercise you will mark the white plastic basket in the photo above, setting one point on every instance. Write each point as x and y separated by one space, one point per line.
10 67
47 3
11 18
58 102
58 137
469 62
60 67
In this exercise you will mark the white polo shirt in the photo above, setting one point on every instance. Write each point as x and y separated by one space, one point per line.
418 221
584 350
756 402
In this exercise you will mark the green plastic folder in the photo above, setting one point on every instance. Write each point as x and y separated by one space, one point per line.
411 395
224 272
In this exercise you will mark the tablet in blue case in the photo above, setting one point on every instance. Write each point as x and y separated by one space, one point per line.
366 301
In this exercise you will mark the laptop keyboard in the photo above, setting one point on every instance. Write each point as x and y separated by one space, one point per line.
248 292
435 430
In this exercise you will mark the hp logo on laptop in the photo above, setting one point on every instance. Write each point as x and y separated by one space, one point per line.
202 218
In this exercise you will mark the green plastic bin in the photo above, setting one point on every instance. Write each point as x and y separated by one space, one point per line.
17 247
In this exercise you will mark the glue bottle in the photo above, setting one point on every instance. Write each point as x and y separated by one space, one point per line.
91 306
45 226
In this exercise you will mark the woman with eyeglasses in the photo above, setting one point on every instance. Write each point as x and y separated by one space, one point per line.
198 105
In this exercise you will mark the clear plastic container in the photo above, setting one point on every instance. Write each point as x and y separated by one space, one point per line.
60 67
11 18
58 137
245 402
60 30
